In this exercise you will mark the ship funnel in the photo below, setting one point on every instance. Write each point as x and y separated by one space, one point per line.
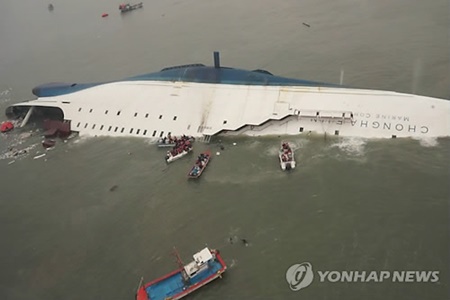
216 60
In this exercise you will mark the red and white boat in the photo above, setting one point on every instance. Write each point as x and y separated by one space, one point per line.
206 266
286 156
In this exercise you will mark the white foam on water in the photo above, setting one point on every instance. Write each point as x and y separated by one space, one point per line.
82 139
5 96
428 142
352 146
17 153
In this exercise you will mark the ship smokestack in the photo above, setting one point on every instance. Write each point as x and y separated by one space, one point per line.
216 60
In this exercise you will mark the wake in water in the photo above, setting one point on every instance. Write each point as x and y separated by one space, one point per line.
428 142
351 146
5 96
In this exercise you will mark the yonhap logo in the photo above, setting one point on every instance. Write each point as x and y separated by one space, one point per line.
299 276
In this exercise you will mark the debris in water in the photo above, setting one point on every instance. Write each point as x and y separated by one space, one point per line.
113 188
39 156
234 144
217 153
245 242
307 25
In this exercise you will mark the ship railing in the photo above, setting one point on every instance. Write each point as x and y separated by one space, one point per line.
325 114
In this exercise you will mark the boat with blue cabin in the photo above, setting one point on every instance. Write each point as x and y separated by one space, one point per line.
206 266
200 164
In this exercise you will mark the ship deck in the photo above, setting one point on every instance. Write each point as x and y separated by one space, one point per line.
173 285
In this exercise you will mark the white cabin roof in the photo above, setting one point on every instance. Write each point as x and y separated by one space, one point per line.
203 256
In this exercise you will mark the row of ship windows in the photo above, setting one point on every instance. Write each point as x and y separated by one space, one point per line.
118 113
122 130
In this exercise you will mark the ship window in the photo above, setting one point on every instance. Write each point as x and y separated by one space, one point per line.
394 136
90 110
101 127
79 109
161 134
170 133
93 126
154 133
224 121
336 132
146 115
115 130
301 129
175 118
118 113
189 127
137 132
145 132
85 125
135 114
160 117
106 112
110 127
78 125
131 130
122 130
317 114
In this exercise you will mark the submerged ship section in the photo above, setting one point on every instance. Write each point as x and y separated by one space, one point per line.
204 101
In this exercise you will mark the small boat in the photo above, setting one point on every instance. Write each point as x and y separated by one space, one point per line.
200 165
170 141
286 156
128 7
206 266
170 157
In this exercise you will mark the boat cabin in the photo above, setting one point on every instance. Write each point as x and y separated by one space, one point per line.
199 264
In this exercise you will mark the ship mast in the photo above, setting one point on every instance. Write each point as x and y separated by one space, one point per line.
178 258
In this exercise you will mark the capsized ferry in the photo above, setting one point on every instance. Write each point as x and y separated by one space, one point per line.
206 266
205 101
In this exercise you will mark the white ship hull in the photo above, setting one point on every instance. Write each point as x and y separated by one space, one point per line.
153 109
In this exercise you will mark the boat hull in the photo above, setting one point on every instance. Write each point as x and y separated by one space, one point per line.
204 101
194 175
178 156
172 286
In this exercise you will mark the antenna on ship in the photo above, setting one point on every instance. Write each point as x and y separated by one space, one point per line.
216 60
178 258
